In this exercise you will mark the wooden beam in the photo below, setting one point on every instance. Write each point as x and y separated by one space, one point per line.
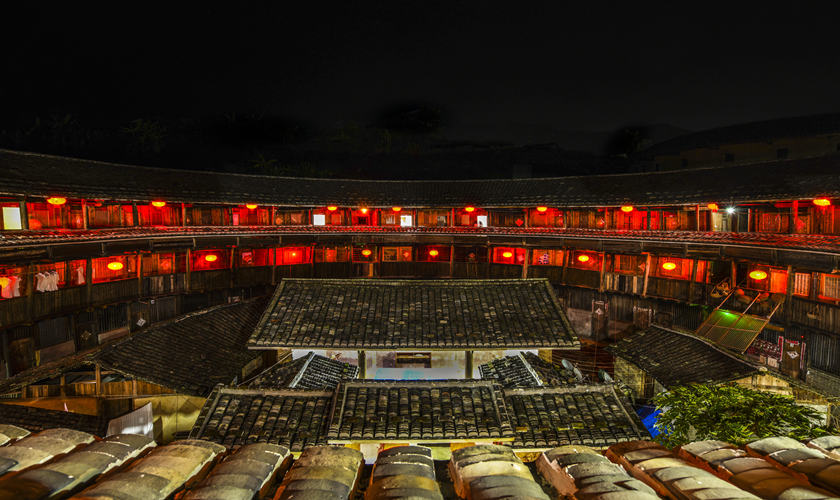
98 380
647 275
24 215
791 285
451 261
362 363
62 385
794 215
188 270
525 264
468 365
603 271
84 215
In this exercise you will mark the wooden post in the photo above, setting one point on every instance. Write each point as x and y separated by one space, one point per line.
84 215
273 214
647 275
88 280
692 279
697 218
183 214
135 214
30 289
451 261
6 358
604 258
468 365
647 219
274 266
566 255
233 265
794 215
733 274
525 264
791 285
24 215
62 385
139 275
97 373
362 363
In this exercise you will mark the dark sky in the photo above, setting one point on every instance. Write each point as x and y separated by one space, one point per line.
494 71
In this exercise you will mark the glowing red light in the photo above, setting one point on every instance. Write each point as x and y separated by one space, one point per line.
583 258
627 208
250 206
407 255
433 253
469 209
363 210
158 204
56 200
4 282
758 275
822 202
712 206
507 255
332 208
396 209
211 258
366 252
669 266
542 209
115 266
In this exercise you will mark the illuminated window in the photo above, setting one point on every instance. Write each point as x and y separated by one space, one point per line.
157 264
546 257
319 219
508 255
120 267
433 253
590 261
287 256
629 264
255 257
243 216
433 218
12 282
396 254
830 287
671 267
209 260
778 281
405 220
332 254
289 217
11 218
364 254
802 284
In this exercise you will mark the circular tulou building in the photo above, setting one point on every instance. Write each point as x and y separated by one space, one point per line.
329 322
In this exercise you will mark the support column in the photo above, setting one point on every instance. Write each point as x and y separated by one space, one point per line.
139 275
24 215
451 261
468 365
525 264
362 363
97 373
88 281
84 215
791 285
135 214
188 270
603 271
794 215
647 275
183 214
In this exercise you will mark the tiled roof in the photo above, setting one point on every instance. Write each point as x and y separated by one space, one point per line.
414 314
525 369
312 371
592 415
38 419
437 410
43 175
674 358
192 353
288 417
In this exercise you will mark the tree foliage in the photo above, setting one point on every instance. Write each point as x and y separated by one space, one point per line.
731 413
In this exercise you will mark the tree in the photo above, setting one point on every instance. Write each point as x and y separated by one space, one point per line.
731 413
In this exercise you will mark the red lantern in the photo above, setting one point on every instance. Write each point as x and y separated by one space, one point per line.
669 266
583 258
115 266
433 253
758 275
396 209
822 202
542 209
507 255
627 208
211 257
250 206
332 208
56 200
366 252
469 209
712 206
158 204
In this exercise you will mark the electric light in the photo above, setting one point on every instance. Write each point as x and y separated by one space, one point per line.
469 209
433 253
583 258
396 209
507 255
712 206
758 275
627 208
211 257
542 209
822 202
4 282
364 210
56 200
115 266
669 266
158 204
407 255
250 206
294 254
730 210
332 208
366 252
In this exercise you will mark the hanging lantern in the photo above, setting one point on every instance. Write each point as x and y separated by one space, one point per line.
669 266
363 210
115 266
758 275
56 200
407 255
250 206
469 209
366 252
158 204
583 258
211 257
396 209
332 208
822 202
507 255
712 206
4 282
542 209
627 208
294 254
433 253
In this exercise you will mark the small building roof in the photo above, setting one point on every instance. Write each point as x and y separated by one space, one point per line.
525 369
434 410
312 371
592 415
290 417
414 314
674 358
38 419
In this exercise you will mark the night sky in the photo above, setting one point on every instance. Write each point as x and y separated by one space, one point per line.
522 70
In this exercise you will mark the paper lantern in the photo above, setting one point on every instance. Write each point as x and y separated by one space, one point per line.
115 266
583 258
366 252
396 209
56 200
250 206
507 255
433 253
211 258
669 266
758 275
542 209
332 208
822 202
627 208
469 209
158 204
712 206
4 282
